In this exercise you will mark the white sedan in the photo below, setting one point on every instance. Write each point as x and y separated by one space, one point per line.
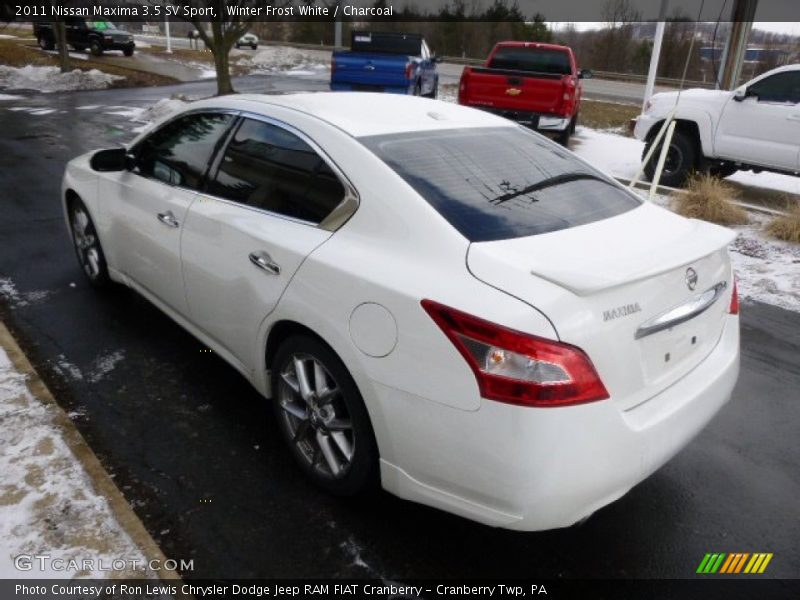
248 39
432 297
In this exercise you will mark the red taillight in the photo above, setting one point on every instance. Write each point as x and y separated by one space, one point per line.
410 70
518 368
734 306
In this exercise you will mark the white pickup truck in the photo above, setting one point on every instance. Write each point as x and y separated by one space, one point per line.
754 127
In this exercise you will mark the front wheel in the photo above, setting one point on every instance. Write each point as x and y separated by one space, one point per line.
128 51
322 416
96 48
680 161
87 244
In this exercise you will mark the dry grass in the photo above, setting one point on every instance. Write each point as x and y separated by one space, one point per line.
607 115
787 227
16 54
709 199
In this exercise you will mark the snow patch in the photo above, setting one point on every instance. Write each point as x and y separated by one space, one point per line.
48 504
104 365
296 61
66 369
10 97
51 79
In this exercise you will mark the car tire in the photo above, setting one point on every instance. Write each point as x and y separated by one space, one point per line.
128 51
418 88
87 244
325 423
679 164
254 46
45 43
573 124
564 137
96 48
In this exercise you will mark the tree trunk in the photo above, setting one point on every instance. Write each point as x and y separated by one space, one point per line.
220 47
60 32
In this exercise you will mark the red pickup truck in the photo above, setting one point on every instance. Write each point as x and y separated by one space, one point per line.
537 85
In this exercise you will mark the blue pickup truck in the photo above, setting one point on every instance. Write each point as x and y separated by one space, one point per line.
400 63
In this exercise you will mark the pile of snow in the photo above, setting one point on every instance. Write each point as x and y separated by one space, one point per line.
9 97
291 61
51 79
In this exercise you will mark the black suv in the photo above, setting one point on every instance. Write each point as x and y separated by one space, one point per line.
97 36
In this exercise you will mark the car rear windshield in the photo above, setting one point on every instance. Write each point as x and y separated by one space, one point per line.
539 60
501 182
386 43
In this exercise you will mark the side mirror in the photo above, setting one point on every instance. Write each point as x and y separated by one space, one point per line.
585 74
111 160
740 94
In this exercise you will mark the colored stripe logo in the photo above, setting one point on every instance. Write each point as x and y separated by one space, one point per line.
734 563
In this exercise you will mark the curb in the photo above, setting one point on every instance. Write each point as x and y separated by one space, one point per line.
101 480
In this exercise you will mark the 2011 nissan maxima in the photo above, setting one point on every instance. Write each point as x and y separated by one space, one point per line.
432 297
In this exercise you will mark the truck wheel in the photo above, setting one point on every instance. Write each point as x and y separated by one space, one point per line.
679 164
563 137
45 43
254 46
128 51
434 93
573 124
418 89
96 48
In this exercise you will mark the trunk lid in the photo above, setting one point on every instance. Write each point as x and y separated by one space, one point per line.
603 283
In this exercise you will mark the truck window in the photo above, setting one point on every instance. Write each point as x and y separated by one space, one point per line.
539 60
501 182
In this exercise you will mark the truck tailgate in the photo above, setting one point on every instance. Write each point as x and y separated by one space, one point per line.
515 90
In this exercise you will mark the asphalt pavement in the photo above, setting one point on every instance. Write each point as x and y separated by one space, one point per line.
197 453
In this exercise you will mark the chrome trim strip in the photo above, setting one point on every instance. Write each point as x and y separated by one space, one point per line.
681 313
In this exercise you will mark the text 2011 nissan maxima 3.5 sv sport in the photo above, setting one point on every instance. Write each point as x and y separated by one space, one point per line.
431 296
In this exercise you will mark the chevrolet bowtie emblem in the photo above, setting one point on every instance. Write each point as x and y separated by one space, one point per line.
513 92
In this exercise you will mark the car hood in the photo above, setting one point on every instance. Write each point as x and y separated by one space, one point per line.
664 101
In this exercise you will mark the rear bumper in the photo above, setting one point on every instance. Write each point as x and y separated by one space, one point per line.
533 469
538 121
371 87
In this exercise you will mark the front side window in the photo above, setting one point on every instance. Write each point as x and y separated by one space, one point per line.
268 167
501 182
179 152
781 87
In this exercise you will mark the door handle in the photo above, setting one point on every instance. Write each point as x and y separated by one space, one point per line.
168 219
264 262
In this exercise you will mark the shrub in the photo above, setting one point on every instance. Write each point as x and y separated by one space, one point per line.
710 199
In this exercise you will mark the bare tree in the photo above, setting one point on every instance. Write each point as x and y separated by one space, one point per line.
232 20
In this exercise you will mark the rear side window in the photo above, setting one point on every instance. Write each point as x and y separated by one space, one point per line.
267 167
500 183
179 152
539 60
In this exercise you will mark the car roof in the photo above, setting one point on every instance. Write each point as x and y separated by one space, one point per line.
363 114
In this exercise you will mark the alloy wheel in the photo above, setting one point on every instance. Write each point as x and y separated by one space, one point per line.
316 417
86 243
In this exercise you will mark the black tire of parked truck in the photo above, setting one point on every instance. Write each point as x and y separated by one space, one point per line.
564 137
46 42
96 48
128 51
434 93
680 163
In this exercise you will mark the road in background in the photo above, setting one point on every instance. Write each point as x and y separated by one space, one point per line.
198 455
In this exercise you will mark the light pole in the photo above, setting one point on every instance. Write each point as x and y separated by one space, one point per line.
166 30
